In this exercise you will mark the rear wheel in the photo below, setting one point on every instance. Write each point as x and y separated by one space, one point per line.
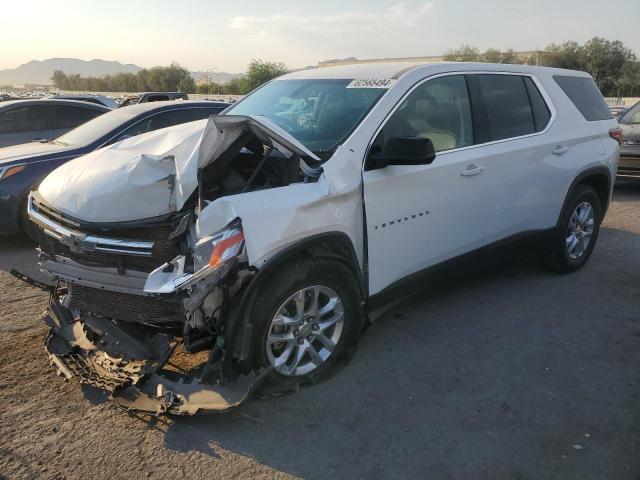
306 323
577 231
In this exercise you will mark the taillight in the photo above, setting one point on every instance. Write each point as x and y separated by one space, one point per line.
616 134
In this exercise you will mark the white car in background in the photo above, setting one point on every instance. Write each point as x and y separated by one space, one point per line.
268 235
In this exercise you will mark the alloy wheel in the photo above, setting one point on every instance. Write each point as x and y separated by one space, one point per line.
580 230
305 330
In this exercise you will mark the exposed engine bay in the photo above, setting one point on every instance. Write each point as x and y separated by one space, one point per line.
134 298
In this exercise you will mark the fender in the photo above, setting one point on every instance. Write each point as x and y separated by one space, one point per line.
238 328
601 170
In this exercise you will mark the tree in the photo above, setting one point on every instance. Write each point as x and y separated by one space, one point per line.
466 53
492 56
604 60
612 65
629 81
260 72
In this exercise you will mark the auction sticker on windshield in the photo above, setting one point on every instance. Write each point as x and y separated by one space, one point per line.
371 83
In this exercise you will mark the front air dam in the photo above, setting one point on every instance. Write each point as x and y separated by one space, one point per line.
128 364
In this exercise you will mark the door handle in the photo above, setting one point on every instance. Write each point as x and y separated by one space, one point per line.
560 150
472 169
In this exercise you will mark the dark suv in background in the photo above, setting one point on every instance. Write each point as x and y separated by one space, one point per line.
145 97
23 121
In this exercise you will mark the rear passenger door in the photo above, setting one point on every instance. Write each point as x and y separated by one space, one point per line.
24 124
527 178
68 117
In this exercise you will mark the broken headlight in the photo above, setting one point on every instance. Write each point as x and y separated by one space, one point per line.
212 255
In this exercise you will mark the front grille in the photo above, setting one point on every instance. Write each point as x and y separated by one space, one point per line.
125 307
164 250
112 246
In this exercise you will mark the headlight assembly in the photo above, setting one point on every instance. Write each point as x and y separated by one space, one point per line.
6 172
212 256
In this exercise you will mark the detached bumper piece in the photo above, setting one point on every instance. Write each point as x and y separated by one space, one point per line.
128 366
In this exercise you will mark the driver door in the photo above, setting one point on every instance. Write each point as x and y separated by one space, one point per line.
420 215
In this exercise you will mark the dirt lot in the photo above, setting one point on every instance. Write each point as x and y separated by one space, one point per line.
512 374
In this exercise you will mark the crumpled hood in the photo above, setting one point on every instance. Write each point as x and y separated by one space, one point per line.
153 174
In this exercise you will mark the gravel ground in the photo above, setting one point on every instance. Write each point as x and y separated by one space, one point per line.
514 373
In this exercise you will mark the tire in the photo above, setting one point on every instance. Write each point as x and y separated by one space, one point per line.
560 256
331 279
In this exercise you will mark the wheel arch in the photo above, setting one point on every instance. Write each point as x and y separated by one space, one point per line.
336 245
598 178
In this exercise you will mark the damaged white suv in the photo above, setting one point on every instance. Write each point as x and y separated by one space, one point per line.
267 235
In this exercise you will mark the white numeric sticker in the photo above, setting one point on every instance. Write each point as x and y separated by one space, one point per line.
371 83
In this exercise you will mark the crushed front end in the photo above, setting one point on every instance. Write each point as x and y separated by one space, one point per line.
140 309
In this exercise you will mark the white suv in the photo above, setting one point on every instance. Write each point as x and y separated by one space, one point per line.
268 234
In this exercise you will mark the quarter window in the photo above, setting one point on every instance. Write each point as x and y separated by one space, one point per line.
507 104
584 94
439 110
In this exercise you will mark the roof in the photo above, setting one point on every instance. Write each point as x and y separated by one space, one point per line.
57 101
386 70
139 108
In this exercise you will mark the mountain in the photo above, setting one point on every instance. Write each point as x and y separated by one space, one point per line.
216 77
39 72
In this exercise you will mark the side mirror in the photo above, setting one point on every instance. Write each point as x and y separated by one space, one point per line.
404 151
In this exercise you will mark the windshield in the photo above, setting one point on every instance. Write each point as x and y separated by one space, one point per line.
320 114
95 129
632 115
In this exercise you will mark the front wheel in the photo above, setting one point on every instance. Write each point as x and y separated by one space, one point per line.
577 231
306 322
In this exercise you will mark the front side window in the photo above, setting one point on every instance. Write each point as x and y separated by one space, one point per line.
319 113
507 105
438 110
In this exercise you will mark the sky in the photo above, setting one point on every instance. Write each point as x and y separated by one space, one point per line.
225 36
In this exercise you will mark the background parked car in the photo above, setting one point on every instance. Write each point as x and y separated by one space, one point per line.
22 167
629 165
144 97
97 99
618 111
23 121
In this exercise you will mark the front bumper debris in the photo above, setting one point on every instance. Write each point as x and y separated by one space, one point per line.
128 365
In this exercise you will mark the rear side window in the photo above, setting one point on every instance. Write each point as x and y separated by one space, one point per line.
173 117
157 98
507 104
67 117
25 119
584 94
162 120
541 113
207 112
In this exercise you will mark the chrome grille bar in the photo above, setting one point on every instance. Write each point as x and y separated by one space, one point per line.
81 242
